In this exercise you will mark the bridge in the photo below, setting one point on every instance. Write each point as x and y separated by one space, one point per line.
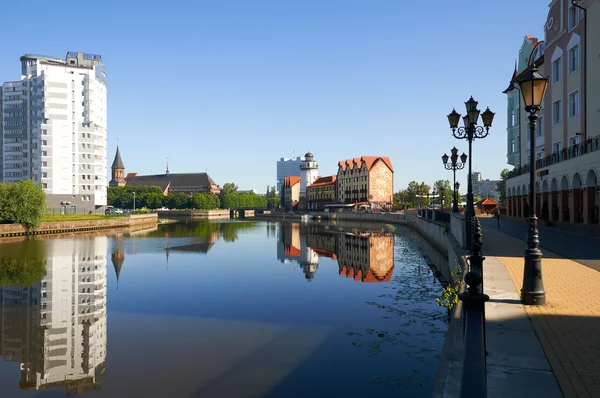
243 212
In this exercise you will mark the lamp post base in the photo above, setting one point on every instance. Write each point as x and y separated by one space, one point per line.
532 292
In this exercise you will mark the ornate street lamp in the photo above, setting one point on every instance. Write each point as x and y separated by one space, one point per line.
470 131
454 165
533 88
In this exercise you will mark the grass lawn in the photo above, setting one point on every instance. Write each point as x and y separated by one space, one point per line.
79 217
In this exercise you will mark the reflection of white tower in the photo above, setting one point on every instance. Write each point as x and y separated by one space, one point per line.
309 260
309 170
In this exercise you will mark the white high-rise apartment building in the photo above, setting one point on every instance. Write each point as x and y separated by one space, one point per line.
53 128
287 167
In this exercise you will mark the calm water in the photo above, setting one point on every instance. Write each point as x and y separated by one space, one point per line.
232 309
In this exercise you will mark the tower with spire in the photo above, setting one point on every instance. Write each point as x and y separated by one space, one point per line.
118 171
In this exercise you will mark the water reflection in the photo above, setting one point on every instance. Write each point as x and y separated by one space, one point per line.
56 326
362 255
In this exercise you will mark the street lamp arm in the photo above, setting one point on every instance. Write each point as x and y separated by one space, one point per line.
476 132
452 166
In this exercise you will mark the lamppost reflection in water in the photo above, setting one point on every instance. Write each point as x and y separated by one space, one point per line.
56 327
363 255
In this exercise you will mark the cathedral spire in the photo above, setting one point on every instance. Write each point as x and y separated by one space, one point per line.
118 171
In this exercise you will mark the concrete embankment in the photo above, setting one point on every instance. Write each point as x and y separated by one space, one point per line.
136 221
186 214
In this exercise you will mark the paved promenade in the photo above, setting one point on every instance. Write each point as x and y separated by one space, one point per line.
568 326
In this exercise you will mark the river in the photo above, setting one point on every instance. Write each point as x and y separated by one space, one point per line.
221 309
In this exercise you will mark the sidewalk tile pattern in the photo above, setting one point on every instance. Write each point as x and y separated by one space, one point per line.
568 326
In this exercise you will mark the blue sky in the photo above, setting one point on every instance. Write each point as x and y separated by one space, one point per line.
232 86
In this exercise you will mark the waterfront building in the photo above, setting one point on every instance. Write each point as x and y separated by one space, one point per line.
567 144
188 183
56 328
321 192
287 167
484 188
366 180
291 192
309 171
53 128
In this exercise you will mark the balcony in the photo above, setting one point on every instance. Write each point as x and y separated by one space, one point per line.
590 145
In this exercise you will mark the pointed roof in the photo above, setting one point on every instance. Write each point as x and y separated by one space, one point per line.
117 163
117 259
513 79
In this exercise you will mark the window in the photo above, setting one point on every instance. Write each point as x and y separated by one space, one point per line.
44 174
574 59
573 17
539 155
517 145
556 70
574 140
44 153
556 146
574 104
540 127
557 111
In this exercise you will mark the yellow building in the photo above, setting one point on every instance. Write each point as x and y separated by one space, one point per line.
321 192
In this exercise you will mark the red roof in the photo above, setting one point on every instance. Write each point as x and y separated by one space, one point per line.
369 161
487 202
323 181
291 181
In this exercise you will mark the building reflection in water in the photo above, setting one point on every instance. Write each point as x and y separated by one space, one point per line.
56 328
363 255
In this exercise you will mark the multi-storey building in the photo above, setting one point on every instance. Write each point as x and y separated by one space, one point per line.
53 128
484 188
291 191
368 179
59 335
287 167
567 148
321 192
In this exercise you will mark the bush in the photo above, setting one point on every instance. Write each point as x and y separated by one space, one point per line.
22 202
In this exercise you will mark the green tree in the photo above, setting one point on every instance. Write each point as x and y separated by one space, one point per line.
229 188
501 188
416 194
447 191
22 202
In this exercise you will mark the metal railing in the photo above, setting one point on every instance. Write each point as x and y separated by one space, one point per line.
434 215
474 373
590 145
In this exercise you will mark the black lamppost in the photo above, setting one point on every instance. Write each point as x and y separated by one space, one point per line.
456 186
470 131
454 165
533 88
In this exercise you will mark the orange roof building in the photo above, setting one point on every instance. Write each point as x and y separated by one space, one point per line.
321 192
291 192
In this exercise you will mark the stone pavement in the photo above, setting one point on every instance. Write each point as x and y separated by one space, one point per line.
568 326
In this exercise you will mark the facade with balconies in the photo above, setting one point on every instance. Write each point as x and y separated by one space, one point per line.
567 138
